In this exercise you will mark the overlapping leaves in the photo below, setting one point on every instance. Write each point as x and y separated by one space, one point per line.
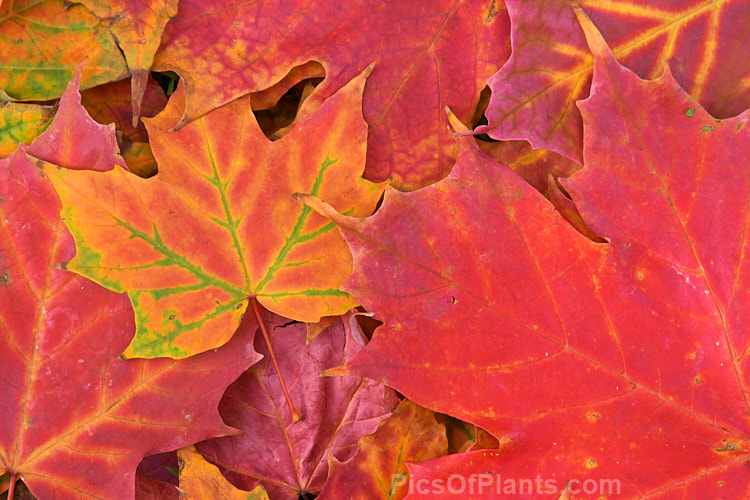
595 361
292 459
618 360
428 54
704 42
217 225
42 44
75 419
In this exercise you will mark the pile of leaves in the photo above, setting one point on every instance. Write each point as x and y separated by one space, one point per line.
465 249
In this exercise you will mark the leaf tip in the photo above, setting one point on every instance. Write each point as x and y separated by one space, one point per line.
128 354
336 371
456 124
138 81
75 81
320 207
594 39
177 126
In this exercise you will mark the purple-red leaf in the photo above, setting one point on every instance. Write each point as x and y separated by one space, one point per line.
290 459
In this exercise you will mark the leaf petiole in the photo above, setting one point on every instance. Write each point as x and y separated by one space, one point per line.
295 416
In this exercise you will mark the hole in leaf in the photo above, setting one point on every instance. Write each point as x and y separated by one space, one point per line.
368 324
307 496
161 467
479 117
276 107
167 81
379 203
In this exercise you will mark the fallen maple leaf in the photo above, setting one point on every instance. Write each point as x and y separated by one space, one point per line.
156 477
199 480
217 226
137 25
140 159
73 139
378 470
161 466
110 103
534 165
43 43
291 459
147 488
619 362
74 418
533 95
22 123
315 329
541 168
428 54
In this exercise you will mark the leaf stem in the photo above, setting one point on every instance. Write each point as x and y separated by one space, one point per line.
295 416
12 485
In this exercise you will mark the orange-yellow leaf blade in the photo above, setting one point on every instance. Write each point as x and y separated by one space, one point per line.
217 224
41 43
21 123
201 480
137 25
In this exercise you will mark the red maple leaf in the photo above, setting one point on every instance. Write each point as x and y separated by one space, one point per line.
292 459
75 419
622 361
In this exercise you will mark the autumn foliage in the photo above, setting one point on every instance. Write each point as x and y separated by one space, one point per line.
421 249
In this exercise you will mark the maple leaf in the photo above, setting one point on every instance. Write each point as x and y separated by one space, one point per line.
621 361
73 139
43 43
200 480
147 488
378 470
75 419
137 25
110 103
217 225
157 477
533 95
315 329
443 54
541 168
161 466
21 123
534 165
292 459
